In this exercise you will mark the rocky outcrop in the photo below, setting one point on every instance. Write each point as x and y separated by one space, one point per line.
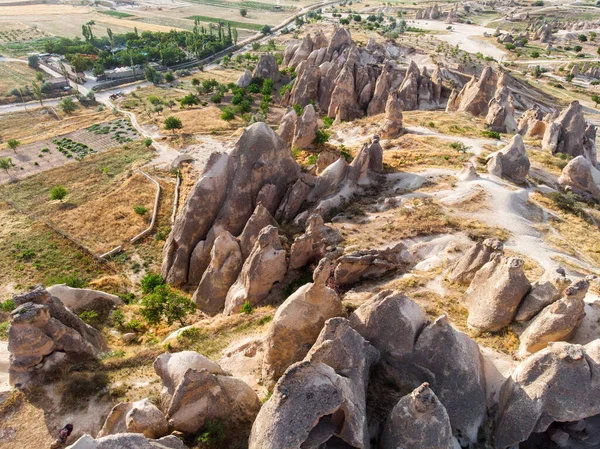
265 266
298 322
224 199
500 117
196 390
79 300
408 93
267 68
570 134
260 219
360 265
559 383
127 440
531 124
244 80
546 290
557 322
511 162
580 176
225 265
496 293
322 398
135 417
287 126
43 333
475 96
463 271
418 420
306 128
314 244
468 172
392 122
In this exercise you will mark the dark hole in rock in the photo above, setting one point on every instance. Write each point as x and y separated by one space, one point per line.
582 434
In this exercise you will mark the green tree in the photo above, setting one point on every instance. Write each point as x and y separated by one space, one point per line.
6 164
243 12
164 303
189 100
172 124
234 33
58 193
577 48
596 100
265 30
33 61
67 105
147 142
582 38
13 144
150 281
37 92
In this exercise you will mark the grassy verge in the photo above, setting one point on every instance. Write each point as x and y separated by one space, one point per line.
234 24
117 14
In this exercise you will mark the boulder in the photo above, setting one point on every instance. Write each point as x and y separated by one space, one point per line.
546 290
496 293
225 265
325 159
392 122
559 383
511 162
244 80
360 265
267 68
419 420
471 262
41 327
298 322
127 441
314 243
467 173
80 300
556 322
570 134
171 367
135 417
265 266
306 128
322 398
287 126
582 177
224 199
453 366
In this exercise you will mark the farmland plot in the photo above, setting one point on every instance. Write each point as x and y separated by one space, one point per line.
15 75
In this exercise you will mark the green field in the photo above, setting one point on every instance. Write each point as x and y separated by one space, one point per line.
246 4
234 24
118 14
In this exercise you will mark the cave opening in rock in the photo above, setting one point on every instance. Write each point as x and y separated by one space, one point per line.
582 434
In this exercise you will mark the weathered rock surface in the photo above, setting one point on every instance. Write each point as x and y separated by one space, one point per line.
475 96
267 68
510 162
135 417
80 300
265 266
298 322
496 293
570 134
225 265
306 128
245 79
418 420
582 177
322 398
314 243
531 124
260 219
42 329
360 265
500 117
544 292
559 383
224 199
392 122
287 126
127 441
471 262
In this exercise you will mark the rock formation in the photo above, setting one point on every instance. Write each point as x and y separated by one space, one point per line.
531 124
418 421
476 95
580 176
306 128
322 398
79 300
570 134
392 122
287 126
463 271
546 290
500 117
529 405
510 162
224 199
135 417
298 322
267 68
496 293
314 244
245 79
127 440
197 390
265 266
43 333
360 265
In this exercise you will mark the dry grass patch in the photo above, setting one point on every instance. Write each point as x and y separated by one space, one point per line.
457 123
551 163
15 75
424 151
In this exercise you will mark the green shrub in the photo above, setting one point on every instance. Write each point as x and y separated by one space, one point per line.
569 203
164 303
134 325
117 318
89 316
150 281
247 308
228 114
322 137
7 306
212 436
490 134
327 121
140 210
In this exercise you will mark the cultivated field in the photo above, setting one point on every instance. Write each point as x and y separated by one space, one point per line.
15 75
